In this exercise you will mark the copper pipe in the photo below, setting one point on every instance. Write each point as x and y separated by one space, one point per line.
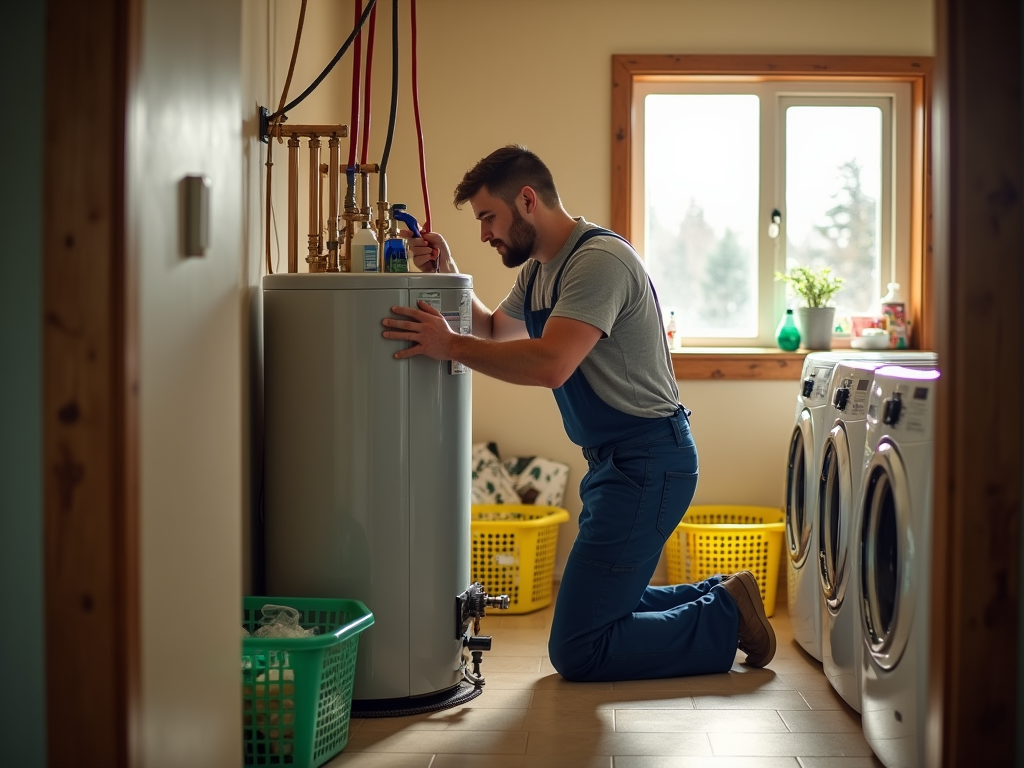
309 131
349 233
333 225
321 219
383 222
293 204
365 195
313 235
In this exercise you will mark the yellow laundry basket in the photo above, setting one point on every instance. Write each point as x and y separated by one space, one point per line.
513 552
725 539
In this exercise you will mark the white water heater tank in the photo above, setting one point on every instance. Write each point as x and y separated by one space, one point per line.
367 468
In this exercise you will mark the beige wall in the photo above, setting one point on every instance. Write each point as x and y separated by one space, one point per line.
537 72
185 117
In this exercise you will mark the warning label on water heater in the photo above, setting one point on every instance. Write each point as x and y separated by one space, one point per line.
433 298
460 321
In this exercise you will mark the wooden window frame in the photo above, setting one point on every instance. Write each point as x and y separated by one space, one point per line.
627 70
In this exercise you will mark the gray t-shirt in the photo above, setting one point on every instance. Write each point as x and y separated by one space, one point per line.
605 285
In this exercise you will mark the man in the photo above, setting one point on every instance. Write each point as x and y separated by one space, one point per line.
583 320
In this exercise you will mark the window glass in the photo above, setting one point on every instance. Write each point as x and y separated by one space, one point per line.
701 178
833 193
713 159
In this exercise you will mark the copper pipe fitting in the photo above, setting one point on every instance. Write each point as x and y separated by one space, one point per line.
309 131
333 224
382 223
293 204
313 233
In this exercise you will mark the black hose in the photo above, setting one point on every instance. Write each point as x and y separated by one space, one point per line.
337 57
383 186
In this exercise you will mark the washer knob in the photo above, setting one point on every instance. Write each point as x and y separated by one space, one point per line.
841 398
892 408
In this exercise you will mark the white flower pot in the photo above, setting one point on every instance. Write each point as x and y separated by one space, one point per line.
815 325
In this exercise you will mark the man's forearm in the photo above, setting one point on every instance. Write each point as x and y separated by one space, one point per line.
483 322
524 361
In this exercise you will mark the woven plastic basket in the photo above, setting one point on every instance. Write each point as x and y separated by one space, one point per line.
297 692
513 552
724 539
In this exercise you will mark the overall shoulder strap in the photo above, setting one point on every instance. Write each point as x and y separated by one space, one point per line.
528 297
589 234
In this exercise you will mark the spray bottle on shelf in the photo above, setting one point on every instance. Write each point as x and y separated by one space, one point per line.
396 259
670 330
894 311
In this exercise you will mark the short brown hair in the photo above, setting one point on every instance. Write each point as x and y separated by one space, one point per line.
505 172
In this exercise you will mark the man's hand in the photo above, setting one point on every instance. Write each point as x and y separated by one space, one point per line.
425 328
430 253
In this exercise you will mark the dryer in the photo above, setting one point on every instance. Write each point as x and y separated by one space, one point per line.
843 457
895 553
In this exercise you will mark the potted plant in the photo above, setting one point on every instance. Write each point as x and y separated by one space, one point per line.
815 288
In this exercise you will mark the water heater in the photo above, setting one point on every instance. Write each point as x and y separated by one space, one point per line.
367 469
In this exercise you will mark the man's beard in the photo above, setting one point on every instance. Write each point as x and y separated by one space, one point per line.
522 240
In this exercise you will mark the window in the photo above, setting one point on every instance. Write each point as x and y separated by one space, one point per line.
707 149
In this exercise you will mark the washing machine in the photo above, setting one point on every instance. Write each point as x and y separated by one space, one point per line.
804 603
895 553
843 457
811 425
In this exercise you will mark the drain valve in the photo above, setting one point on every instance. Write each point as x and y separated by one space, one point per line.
470 607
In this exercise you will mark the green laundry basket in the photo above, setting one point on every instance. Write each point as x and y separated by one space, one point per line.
297 692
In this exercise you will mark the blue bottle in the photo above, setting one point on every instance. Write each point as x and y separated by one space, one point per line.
396 258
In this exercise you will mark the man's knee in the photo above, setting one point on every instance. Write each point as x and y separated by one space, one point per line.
569 661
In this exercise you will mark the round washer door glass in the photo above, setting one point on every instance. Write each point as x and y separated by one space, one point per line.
886 552
798 522
835 492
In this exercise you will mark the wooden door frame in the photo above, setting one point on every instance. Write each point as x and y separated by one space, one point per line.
972 707
90 389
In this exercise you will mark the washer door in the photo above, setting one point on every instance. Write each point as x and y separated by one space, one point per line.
798 522
887 551
835 499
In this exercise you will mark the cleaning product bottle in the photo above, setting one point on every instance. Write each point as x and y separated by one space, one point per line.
396 259
364 250
670 330
895 313
787 335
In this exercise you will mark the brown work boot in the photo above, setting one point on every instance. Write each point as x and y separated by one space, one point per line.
756 636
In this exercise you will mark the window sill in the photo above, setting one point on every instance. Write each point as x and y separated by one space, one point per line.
737 363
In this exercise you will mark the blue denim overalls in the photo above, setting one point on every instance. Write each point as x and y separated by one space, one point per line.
609 624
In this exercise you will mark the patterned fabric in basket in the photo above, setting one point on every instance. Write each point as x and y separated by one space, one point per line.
492 483
538 480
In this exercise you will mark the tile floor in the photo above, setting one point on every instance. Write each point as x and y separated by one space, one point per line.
785 716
